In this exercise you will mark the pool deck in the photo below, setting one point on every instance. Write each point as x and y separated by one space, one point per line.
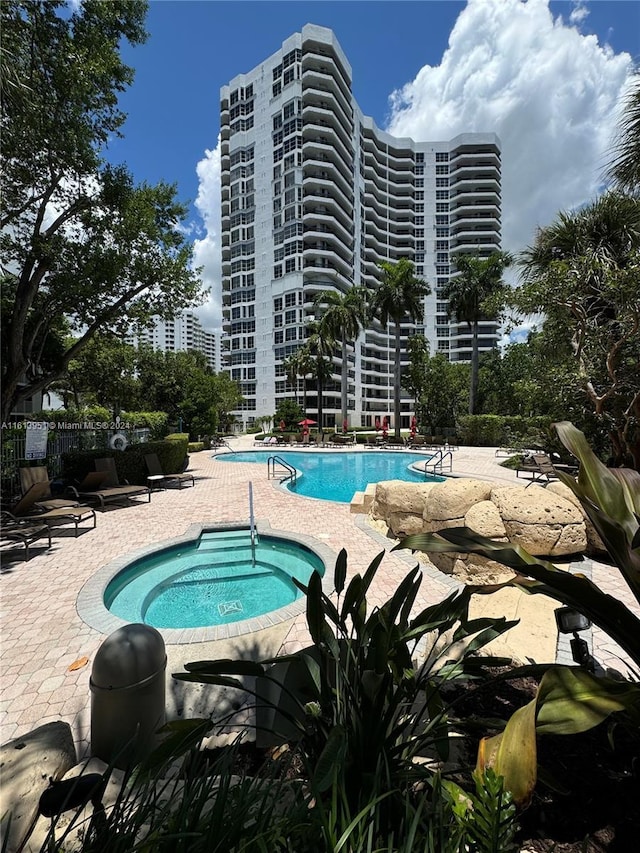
42 634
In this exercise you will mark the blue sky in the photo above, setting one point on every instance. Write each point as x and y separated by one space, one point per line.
549 77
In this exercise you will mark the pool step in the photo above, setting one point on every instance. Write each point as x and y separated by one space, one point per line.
362 502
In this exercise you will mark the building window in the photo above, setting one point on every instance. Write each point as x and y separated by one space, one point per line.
289 299
290 265
278 337
277 271
442 156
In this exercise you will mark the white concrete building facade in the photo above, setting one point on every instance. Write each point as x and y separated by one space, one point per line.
179 334
314 197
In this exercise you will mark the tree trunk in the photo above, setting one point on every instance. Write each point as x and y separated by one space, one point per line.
396 386
345 381
473 393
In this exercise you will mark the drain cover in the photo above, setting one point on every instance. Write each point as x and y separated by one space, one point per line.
229 607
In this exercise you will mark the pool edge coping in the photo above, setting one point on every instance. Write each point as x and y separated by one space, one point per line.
91 609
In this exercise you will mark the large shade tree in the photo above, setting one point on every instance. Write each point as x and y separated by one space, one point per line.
342 317
583 273
472 295
399 298
84 249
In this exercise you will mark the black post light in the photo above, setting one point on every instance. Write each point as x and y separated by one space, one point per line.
570 621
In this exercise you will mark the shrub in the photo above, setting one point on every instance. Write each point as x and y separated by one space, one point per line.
195 446
130 463
155 421
505 430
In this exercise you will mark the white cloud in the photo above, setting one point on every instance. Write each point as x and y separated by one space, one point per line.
551 94
207 250
579 12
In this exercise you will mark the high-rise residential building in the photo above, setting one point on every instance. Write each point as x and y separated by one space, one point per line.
179 334
314 197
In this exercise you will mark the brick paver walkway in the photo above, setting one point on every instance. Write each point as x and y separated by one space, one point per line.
42 633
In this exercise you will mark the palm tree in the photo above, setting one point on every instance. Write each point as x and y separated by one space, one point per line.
319 345
299 364
343 316
398 298
469 293
625 167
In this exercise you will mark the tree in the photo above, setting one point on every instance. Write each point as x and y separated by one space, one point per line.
299 363
290 412
625 167
342 318
84 249
182 385
440 388
398 298
104 371
319 346
470 294
583 272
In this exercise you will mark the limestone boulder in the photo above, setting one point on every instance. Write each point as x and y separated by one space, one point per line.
485 519
447 503
401 505
28 762
595 545
543 522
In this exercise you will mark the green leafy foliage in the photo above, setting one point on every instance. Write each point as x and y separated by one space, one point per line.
440 388
398 298
361 709
130 463
475 294
84 248
582 272
567 701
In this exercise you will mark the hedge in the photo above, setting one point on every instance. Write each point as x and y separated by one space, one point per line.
130 463
514 431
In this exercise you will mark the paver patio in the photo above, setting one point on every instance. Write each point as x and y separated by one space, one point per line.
42 633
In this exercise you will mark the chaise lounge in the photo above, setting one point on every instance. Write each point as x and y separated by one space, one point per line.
95 486
28 508
159 477
38 475
22 532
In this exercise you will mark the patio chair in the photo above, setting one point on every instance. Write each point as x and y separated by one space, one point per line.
22 532
38 474
372 441
94 487
155 470
29 509
539 466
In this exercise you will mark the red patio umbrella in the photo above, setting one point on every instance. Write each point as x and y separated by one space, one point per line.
306 422
345 425
378 425
385 426
282 426
414 426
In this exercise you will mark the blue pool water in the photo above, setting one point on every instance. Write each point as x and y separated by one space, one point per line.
337 476
211 581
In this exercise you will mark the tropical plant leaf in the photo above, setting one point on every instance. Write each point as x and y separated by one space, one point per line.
340 573
331 758
568 700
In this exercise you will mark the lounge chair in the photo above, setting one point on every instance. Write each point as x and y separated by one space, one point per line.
372 441
94 487
268 440
539 466
341 440
155 470
22 532
38 474
29 509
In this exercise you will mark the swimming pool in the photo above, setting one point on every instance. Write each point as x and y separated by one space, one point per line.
336 476
216 579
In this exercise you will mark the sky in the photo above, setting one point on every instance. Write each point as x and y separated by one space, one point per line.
548 77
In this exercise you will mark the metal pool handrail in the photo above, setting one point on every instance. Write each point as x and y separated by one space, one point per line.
252 525
272 461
